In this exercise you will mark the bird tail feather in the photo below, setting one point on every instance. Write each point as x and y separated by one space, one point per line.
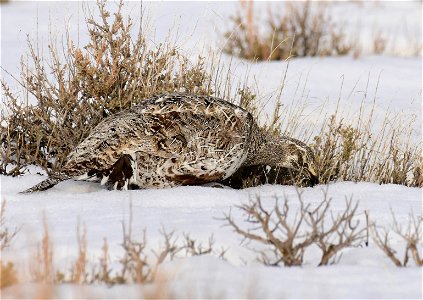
46 184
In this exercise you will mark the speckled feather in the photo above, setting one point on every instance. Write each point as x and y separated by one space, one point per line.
176 139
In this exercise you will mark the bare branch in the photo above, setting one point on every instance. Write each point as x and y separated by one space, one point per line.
412 236
289 239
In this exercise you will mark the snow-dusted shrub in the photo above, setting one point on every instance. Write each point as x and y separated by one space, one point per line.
287 235
74 87
304 30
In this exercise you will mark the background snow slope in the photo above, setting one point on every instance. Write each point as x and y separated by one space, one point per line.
361 273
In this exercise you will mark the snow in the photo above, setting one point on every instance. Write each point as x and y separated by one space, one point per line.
210 278
362 272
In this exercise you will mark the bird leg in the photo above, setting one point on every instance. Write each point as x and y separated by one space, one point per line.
121 175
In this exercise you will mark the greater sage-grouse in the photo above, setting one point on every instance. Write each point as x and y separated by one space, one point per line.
181 139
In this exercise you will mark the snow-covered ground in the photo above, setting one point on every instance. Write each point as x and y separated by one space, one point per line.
363 272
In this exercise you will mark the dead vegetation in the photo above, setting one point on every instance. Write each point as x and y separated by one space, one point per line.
139 263
348 150
288 238
411 235
42 267
74 87
8 274
305 29
6 235
355 153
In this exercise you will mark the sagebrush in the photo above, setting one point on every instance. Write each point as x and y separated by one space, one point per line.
73 94
287 239
305 29
412 236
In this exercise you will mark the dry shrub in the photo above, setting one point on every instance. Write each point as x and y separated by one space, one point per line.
6 235
8 274
136 266
287 239
139 267
139 263
304 30
411 235
379 42
364 146
346 151
349 150
358 153
73 88
42 267
79 269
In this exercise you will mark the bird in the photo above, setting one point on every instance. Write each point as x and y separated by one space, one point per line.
255 175
174 139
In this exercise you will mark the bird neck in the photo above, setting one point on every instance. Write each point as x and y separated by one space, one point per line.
261 143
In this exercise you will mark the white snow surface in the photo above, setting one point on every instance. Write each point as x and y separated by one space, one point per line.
362 272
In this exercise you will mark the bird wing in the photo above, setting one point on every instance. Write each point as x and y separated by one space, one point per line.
190 134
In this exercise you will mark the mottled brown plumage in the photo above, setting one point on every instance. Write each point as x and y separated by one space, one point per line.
178 139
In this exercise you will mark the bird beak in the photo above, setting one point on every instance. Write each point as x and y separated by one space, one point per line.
314 178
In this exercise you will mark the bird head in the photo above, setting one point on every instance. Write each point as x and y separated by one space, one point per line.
297 158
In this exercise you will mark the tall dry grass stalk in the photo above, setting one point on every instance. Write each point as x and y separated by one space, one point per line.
8 273
42 264
79 269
